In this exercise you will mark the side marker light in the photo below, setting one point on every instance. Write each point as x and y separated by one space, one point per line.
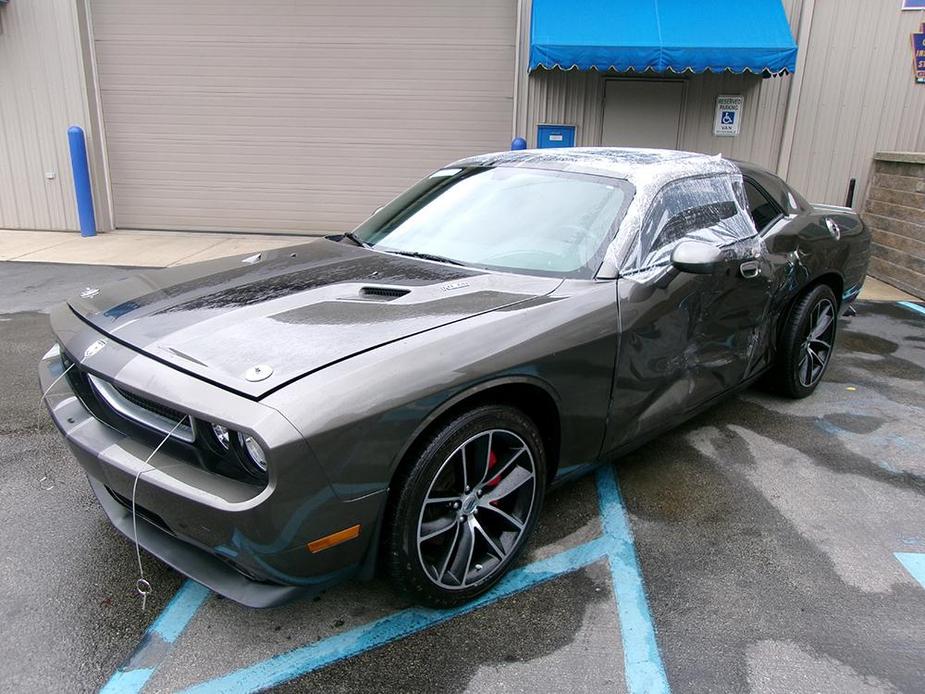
333 539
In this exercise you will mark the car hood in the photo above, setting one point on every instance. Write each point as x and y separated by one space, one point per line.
291 311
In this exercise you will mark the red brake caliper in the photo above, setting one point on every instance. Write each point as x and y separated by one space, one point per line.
492 461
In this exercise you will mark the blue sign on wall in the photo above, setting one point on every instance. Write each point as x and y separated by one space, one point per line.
914 4
918 55
555 136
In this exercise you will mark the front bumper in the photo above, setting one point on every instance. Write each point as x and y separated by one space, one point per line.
191 561
245 541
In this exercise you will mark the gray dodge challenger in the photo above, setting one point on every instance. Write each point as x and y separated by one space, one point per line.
401 397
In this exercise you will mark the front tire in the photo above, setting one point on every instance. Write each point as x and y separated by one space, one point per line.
465 506
807 342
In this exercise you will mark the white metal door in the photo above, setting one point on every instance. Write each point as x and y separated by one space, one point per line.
293 116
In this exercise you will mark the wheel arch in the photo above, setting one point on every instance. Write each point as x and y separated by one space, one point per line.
534 397
832 279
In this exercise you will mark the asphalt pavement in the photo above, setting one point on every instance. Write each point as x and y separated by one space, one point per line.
762 547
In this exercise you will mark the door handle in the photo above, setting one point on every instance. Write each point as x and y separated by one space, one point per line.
750 269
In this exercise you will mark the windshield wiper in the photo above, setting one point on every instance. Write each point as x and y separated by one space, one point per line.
427 256
356 239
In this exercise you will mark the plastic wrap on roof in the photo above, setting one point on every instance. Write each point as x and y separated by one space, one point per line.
629 163
710 179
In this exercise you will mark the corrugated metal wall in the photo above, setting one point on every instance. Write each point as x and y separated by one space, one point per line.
762 116
565 97
577 98
41 94
858 96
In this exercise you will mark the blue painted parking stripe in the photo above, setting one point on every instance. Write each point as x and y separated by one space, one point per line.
918 308
155 645
643 664
914 563
642 660
171 622
301 661
127 681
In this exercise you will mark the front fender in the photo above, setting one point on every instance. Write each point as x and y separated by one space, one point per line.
467 393
361 415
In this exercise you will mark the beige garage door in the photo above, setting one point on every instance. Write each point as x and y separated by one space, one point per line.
285 115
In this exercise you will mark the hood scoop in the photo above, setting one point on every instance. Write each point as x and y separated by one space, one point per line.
381 293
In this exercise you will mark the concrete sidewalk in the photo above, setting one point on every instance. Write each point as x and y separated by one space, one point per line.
166 248
875 290
134 248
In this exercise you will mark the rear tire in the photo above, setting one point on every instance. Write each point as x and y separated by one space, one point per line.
806 344
465 506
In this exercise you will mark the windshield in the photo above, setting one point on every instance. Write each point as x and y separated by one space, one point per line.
524 220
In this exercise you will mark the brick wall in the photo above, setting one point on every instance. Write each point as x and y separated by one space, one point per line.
895 213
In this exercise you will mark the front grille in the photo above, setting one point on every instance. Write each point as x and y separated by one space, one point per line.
96 392
140 410
147 421
151 406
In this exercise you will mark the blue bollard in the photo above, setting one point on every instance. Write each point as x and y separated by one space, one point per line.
82 188
518 143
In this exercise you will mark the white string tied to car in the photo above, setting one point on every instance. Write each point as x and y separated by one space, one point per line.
46 482
142 586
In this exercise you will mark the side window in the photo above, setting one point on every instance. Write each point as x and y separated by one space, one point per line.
707 209
762 210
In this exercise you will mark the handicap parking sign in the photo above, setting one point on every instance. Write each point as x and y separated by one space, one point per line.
728 109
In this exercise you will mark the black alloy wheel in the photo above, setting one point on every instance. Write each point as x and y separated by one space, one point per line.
807 343
466 505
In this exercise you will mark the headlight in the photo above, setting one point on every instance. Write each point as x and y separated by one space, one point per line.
222 435
254 452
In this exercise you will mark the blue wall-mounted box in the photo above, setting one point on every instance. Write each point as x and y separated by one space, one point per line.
555 136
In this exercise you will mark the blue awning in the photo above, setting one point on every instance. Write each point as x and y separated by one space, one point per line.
662 35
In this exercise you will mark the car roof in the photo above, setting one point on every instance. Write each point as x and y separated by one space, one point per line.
641 167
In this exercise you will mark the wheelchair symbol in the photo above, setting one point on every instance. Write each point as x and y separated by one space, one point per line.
728 118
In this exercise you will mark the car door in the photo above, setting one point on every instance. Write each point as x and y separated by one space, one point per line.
686 338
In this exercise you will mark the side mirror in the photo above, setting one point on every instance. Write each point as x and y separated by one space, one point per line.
696 257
